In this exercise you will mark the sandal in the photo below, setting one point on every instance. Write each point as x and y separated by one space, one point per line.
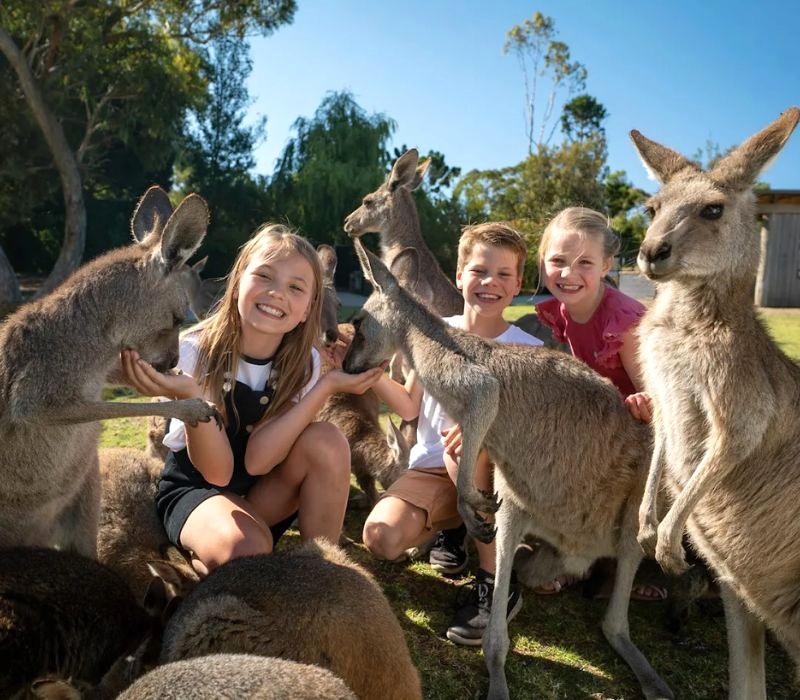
558 584
648 592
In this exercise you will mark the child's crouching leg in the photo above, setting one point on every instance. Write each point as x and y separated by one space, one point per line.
223 528
393 526
326 485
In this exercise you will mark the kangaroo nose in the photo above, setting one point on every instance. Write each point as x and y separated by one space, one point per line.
330 336
662 252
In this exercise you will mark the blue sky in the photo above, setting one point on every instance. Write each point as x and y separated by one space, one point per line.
680 72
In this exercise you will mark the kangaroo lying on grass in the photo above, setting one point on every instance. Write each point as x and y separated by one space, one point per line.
131 539
578 493
312 605
65 616
240 676
55 356
727 416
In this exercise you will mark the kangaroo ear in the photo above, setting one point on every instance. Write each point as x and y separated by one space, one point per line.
184 231
419 175
661 163
200 265
397 443
152 212
739 169
328 260
375 272
406 269
404 171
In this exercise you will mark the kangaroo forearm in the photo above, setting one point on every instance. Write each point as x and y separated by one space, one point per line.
103 410
649 506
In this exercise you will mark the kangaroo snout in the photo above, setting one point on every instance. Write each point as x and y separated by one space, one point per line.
654 257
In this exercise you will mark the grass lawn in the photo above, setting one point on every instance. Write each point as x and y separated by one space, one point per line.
557 649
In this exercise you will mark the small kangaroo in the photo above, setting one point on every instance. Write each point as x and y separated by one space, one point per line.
580 494
131 539
241 676
66 616
312 605
55 355
727 426
203 293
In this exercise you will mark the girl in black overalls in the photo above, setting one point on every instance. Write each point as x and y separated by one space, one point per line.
231 490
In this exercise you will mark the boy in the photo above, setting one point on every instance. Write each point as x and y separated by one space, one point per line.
491 259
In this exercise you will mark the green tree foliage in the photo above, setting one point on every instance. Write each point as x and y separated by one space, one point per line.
542 57
218 154
582 117
336 157
120 77
625 211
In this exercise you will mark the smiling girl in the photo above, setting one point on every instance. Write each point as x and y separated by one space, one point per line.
594 319
232 490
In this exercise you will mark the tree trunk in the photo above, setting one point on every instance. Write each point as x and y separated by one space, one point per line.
10 294
75 211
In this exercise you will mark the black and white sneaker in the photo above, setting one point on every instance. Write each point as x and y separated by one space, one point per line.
472 617
449 553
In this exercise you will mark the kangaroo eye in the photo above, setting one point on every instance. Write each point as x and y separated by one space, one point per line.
711 211
650 211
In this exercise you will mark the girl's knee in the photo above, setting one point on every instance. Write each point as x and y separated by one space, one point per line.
238 541
325 441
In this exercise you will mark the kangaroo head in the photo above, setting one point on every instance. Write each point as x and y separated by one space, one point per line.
375 337
155 285
379 208
329 317
703 223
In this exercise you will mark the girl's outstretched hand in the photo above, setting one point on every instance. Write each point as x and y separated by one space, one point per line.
149 382
640 406
339 381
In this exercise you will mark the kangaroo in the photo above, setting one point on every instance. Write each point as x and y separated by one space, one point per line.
66 616
312 605
391 212
373 453
203 293
580 494
131 539
732 463
241 676
55 355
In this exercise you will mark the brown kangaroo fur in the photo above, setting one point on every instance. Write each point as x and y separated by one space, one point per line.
202 293
65 616
578 493
55 356
312 605
239 676
131 539
727 427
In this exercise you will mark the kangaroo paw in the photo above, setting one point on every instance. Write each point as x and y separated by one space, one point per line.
196 411
671 559
647 537
477 527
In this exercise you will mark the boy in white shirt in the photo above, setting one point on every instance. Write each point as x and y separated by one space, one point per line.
491 259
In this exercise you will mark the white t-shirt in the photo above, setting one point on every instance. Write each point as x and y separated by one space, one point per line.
253 374
429 450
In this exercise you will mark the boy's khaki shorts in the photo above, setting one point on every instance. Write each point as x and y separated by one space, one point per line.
431 490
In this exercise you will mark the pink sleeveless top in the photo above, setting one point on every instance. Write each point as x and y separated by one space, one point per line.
598 341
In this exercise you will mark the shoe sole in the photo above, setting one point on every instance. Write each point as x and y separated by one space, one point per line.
472 641
449 570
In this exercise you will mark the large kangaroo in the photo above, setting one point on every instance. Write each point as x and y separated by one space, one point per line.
55 356
579 492
727 426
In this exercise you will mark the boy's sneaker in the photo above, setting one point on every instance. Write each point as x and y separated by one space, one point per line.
449 553
472 617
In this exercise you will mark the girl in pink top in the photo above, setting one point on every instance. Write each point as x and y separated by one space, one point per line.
595 320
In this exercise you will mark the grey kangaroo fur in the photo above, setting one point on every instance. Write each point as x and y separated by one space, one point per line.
732 463
131 539
311 605
65 616
241 676
55 356
390 211
580 494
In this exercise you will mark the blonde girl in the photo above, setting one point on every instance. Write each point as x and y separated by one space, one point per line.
232 490
596 320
